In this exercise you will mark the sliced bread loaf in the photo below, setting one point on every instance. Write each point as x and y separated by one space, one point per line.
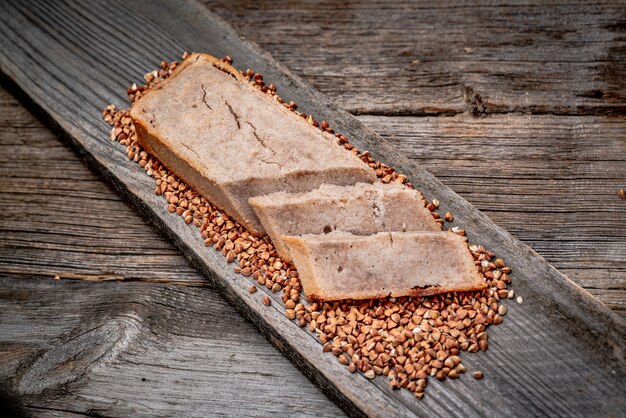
230 141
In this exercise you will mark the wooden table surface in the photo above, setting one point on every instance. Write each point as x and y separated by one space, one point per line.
520 109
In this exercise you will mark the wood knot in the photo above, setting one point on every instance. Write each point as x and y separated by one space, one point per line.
77 354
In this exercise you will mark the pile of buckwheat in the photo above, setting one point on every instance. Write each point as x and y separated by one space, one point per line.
407 339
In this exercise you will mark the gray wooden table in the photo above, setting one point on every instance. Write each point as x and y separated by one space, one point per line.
520 109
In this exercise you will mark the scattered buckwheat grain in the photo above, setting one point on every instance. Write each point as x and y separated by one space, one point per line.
407 339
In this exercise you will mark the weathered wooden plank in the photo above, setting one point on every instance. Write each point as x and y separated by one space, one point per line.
550 181
444 57
60 219
558 341
142 349
550 210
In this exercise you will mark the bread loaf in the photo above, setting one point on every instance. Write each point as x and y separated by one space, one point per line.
230 141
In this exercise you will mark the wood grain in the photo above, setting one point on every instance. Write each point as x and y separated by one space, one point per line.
442 57
142 349
542 360
438 58
59 218
550 181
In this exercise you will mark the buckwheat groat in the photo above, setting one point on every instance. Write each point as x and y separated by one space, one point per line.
340 265
230 141
362 209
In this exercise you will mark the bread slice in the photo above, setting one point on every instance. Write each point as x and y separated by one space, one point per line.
361 209
340 265
230 141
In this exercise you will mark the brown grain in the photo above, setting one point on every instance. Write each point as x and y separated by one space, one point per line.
406 339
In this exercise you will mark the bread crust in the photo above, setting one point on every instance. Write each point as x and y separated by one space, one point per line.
228 189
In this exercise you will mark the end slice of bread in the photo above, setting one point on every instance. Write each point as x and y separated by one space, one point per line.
340 265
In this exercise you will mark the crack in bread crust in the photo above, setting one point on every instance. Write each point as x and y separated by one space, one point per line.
203 87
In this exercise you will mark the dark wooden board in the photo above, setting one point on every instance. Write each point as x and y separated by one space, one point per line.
543 359
551 181
142 349
59 218
444 57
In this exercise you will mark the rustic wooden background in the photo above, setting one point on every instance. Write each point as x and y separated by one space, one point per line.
520 109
